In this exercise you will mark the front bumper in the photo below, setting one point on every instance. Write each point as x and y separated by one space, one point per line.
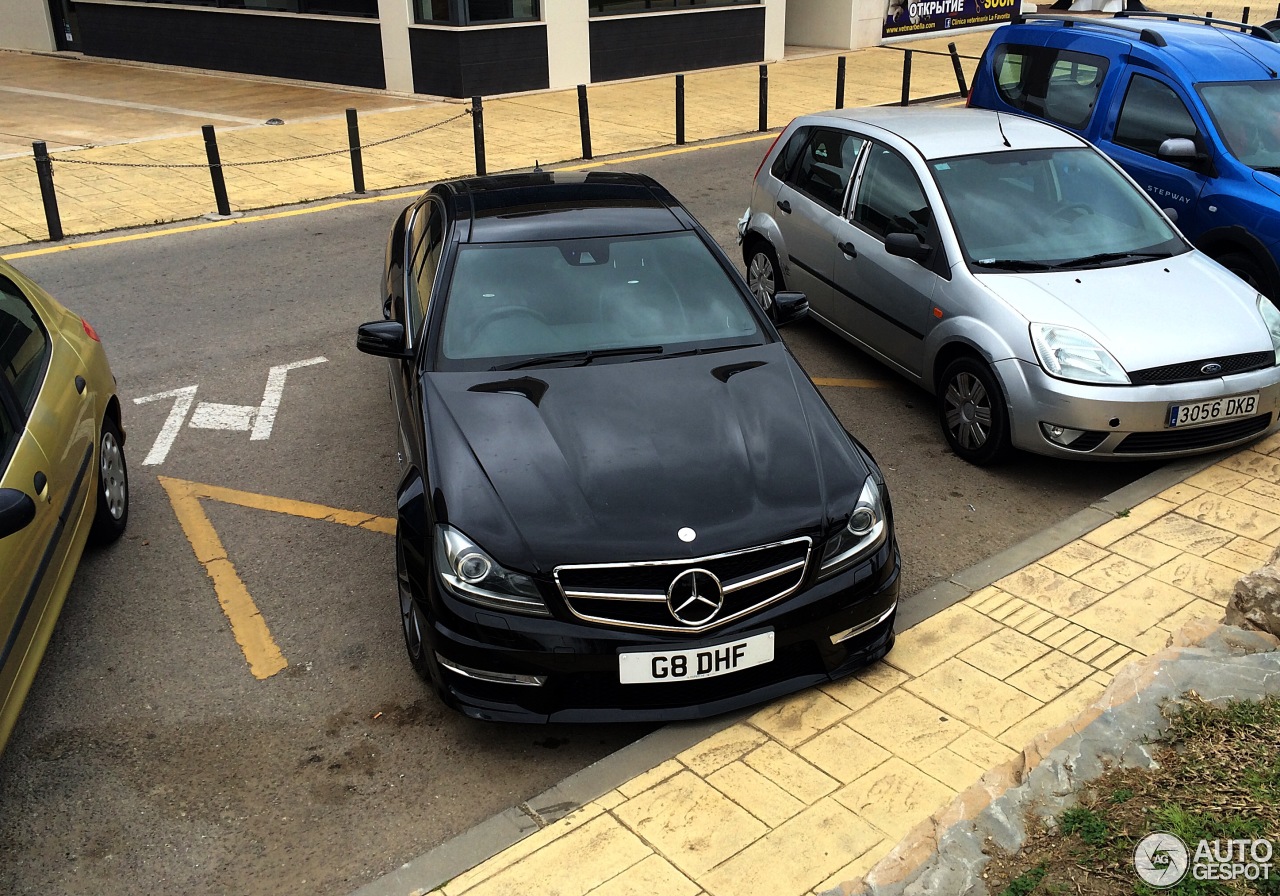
558 670
1130 422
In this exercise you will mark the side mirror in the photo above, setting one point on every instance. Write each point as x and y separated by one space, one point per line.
1182 151
17 510
789 307
907 245
384 338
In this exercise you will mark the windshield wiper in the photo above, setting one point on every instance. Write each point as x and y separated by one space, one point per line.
1104 257
1012 264
708 351
580 358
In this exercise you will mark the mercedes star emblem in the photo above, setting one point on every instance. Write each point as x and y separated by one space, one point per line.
695 597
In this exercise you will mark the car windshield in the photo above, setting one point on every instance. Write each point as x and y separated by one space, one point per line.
1247 115
1048 209
582 300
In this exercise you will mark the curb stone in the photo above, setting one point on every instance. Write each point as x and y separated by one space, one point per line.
945 853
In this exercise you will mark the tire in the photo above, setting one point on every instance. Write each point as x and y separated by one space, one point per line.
972 412
1250 271
764 277
413 622
112 513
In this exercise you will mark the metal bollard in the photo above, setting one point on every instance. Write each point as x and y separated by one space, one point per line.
955 63
840 63
357 160
1244 15
584 121
906 77
44 173
764 97
477 133
215 170
679 110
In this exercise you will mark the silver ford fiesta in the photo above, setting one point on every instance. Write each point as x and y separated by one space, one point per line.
1011 269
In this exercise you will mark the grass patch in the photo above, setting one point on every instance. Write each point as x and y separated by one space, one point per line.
1218 779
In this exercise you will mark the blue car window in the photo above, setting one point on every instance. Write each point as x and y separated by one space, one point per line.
1152 113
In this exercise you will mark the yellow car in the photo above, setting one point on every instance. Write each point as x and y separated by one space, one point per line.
63 480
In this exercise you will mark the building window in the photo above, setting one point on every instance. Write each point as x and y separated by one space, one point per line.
365 9
628 7
475 12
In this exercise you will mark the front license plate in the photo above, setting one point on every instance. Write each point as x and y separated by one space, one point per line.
650 666
1215 410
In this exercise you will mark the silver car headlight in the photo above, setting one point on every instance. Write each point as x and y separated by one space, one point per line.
1271 317
472 575
865 531
1068 354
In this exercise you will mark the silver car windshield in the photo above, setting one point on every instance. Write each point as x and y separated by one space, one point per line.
1049 209
576 301
1247 115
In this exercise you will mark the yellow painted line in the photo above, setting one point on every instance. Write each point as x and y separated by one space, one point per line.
851 384
247 625
346 203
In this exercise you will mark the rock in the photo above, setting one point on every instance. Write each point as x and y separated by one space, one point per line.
1255 604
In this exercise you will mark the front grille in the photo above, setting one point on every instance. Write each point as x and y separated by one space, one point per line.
1189 439
1191 370
1091 439
634 595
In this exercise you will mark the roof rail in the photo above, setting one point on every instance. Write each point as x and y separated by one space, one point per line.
1243 27
1146 35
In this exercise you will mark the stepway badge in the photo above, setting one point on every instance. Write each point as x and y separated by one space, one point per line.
1163 859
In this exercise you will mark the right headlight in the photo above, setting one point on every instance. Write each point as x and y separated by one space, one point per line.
866 530
1271 317
469 574
1068 354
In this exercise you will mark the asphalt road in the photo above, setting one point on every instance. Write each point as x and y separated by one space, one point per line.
151 757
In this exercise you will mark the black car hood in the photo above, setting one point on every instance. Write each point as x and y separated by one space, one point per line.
609 461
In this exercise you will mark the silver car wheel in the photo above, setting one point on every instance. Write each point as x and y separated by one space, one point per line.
114 479
762 278
968 409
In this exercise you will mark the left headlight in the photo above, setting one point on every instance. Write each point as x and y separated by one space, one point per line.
865 531
1069 354
1271 317
472 575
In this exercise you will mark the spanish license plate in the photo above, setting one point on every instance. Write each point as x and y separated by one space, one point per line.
690 664
1215 410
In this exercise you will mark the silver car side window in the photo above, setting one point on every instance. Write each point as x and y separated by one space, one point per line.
889 197
826 165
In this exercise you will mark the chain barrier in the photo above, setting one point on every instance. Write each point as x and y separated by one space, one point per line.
315 155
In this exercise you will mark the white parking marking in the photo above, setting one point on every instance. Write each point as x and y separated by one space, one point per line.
211 415
266 417
183 398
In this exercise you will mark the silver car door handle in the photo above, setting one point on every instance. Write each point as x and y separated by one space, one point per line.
847 249
784 205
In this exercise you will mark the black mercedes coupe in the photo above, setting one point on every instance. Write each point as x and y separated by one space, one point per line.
622 499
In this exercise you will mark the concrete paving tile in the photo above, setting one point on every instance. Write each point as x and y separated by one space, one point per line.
843 753
894 797
1232 515
856 870
1250 548
1074 557
1180 493
1034 621
690 823
1050 590
1067 633
648 877
721 748
951 769
571 865
1219 479
1241 563
1096 650
1114 658
795 719
609 800
1052 626
1252 464
1007 608
1102 679
1137 517
1192 536
1197 609
881 676
1004 653
938 638
988 598
973 696
1258 493
1130 612
1024 616
851 692
789 771
983 751
1109 574
1199 576
526 847
1051 715
1052 675
1147 551
902 723
656 775
755 793
1080 642
796 856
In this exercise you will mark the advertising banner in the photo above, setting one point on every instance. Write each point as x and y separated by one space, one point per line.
904 17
